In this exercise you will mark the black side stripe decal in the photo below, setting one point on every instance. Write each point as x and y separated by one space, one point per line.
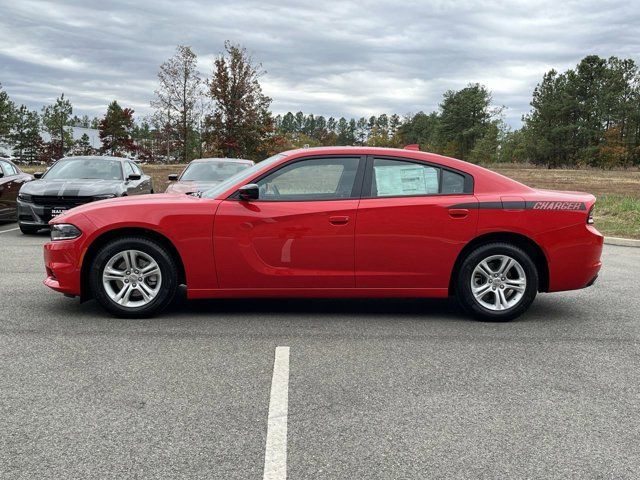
537 205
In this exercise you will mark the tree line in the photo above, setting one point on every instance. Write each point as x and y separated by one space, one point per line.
586 116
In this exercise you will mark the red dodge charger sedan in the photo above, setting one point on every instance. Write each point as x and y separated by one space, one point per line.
332 222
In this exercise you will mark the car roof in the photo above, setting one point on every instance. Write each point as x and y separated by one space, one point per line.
97 157
221 159
6 159
384 151
485 179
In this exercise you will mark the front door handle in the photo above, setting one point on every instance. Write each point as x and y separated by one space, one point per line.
458 212
339 220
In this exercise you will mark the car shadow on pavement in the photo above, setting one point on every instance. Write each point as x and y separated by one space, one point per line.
318 306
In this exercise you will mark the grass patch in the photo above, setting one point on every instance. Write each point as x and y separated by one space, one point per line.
618 216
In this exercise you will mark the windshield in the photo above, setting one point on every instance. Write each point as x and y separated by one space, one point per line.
215 171
238 177
85 168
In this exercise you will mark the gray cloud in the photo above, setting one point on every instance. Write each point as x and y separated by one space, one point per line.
331 57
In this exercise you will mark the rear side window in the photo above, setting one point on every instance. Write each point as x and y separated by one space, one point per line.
8 169
452 182
393 178
398 178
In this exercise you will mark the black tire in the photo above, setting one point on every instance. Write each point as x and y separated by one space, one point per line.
28 229
162 257
463 283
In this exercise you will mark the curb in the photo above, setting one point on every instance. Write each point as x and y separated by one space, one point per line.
621 242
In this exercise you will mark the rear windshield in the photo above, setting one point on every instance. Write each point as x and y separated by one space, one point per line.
85 168
212 171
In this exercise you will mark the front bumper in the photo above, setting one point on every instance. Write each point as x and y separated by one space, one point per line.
63 262
33 215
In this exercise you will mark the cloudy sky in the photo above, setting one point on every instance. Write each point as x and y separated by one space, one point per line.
341 58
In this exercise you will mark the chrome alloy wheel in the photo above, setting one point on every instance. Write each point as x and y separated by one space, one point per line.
132 278
498 282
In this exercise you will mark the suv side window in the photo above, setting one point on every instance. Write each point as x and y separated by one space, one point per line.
328 178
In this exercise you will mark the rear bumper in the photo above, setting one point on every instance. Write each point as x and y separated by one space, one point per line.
574 259
63 266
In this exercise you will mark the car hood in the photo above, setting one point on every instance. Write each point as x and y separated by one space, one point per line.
158 201
190 186
72 188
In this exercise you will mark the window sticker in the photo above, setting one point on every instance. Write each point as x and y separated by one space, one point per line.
394 180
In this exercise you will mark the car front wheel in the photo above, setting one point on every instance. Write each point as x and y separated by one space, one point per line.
133 277
497 282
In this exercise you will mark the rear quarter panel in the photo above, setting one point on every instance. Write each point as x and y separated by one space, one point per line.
572 248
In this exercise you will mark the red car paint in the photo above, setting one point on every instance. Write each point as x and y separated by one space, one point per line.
386 246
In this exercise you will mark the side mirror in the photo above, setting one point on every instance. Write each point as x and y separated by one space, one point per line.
173 177
250 191
134 176
1 173
38 175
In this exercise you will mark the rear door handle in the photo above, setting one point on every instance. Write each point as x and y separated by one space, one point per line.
339 220
458 212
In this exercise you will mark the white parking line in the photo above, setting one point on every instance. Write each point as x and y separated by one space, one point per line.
275 457
10 230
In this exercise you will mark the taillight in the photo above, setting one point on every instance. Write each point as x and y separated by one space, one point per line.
590 220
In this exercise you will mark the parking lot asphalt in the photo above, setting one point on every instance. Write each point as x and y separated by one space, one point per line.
377 388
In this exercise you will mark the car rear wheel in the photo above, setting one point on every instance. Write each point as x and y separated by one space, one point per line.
497 282
133 277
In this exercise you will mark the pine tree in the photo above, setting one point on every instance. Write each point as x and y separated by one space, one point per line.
116 130
7 114
25 136
55 119
82 146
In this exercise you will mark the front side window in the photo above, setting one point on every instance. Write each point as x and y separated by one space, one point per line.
312 179
128 169
395 178
85 168
241 176
136 168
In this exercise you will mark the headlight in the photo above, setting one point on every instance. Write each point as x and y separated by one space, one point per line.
25 197
64 231
104 197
